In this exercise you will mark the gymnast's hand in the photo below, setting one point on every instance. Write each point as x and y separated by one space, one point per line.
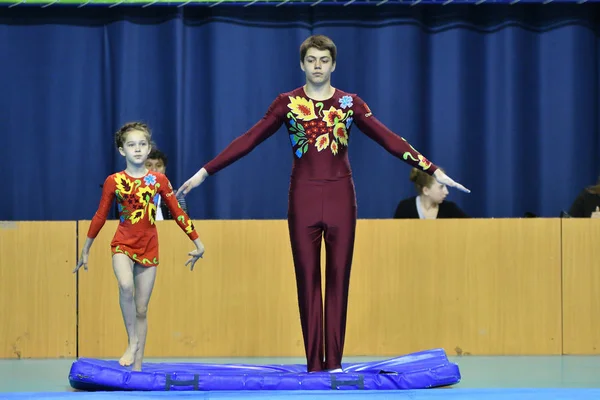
82 262
444 179
196 254
193 182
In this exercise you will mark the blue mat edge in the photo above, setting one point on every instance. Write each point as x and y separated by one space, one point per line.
431 369
415 394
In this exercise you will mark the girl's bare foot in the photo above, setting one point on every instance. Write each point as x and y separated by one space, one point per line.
129 357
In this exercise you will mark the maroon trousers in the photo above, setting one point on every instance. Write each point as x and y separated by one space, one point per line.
322 209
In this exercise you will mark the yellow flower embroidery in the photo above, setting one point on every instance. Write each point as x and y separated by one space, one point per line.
423 162
322 142
340 133
303 108
145 195
136 216
124 185
190 226
332 114
135 256
152 213
334 147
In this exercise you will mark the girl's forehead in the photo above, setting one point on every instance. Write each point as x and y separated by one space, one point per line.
135 135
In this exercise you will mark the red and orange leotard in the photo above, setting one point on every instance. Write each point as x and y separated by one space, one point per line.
136 235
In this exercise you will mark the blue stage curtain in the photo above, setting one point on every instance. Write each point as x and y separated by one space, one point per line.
504 98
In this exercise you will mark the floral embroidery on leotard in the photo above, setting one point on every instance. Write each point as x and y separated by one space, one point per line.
303 108
322 142
135 257
349 122
423 162
150 179
190 226
333 122
334 147
333 115
134 200
346 102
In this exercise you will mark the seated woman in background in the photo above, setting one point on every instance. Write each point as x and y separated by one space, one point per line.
429 203
587 203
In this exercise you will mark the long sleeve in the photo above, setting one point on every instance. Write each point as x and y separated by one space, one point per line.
244 144
106 201
394 144
180 216
183 203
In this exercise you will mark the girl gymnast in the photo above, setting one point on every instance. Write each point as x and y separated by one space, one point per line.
135 243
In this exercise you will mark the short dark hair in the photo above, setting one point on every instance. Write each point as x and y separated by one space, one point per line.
319 42
156 154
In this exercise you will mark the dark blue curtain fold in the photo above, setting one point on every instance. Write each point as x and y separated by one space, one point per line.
504 98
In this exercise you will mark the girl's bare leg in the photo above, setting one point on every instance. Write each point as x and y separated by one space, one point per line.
144 284
123 268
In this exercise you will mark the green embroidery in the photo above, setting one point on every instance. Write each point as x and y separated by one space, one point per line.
298 134
135 257
407 155
320 106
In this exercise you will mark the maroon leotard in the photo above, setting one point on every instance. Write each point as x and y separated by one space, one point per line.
322 203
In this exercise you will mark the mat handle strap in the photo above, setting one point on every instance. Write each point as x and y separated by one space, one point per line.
335 383
171 382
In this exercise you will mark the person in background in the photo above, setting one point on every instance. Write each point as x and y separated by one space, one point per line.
587 203
429 203
157 162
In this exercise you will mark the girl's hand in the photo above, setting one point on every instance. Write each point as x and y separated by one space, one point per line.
83 260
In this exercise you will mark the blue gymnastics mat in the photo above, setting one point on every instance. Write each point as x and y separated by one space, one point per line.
439 394
421 370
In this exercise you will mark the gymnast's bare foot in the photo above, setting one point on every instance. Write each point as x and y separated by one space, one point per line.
129 357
